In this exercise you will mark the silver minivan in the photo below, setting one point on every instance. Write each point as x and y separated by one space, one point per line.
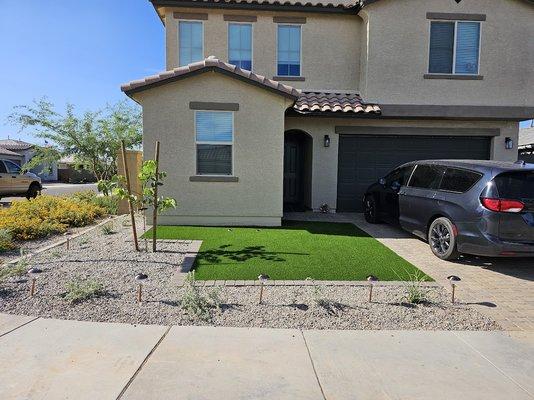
15 183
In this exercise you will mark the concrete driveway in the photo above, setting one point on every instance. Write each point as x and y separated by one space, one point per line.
53 359
501 288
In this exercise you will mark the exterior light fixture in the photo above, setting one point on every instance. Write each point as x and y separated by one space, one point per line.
508 143
262 278
326 141
33 273
372 280
141 280
453 279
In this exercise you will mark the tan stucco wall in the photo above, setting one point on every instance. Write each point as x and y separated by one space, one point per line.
325 159
398 54
330 45
258 151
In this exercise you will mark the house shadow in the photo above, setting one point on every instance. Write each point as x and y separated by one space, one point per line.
520 268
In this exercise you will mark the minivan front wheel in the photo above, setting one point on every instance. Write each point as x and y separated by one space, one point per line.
370 210
442 240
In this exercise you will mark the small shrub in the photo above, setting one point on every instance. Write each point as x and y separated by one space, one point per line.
415 292
9 271
197 304
108 203
78 290
6 240
107 229
47 215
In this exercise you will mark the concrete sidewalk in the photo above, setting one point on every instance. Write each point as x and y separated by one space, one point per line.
52 359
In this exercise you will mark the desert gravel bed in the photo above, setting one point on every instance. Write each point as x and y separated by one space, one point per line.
110 260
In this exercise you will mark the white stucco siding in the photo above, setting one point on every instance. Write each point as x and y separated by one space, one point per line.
256 199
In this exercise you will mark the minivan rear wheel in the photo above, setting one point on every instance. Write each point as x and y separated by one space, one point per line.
442 240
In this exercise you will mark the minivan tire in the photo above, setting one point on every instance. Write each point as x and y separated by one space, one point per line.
370 211
442 240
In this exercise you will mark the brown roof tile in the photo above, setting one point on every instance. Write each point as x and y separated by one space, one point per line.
314 102
332 4
9 153
209 64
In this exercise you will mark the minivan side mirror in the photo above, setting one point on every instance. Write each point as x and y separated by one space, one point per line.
382 181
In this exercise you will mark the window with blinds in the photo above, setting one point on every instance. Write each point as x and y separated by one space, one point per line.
288 50
214 135
454 47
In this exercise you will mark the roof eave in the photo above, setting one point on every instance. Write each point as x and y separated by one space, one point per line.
250 6
130 92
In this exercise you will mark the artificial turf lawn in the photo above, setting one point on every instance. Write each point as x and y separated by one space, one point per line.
295 251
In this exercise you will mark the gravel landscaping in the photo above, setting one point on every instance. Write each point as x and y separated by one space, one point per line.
109 259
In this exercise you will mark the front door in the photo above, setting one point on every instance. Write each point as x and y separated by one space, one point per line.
293 159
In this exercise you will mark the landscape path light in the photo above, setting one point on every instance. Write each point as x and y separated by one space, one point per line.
372 280
33 273
141 280
262 278
453 279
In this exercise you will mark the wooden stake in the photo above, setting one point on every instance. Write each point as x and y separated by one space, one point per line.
128 188
139 293
453 289
155 210
68 243
370 293
32 290
261 293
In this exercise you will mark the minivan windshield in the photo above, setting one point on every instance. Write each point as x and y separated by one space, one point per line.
515 185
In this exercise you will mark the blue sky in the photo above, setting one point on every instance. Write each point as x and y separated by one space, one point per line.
75 51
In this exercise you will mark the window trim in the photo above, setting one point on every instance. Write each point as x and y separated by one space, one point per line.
214 143
251 40
178 36
301 75
445 75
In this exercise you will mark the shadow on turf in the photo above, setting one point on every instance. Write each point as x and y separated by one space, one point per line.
217 255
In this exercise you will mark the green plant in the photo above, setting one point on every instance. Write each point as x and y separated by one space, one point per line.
92 138
79 290
197 304
318 294
416 293
107 229
19 269
6 240
109 203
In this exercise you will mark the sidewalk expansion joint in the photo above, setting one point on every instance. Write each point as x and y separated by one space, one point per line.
20 326
312 364
143 363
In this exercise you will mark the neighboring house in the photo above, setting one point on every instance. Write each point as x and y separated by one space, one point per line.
25 153
526 144
339 94
70 171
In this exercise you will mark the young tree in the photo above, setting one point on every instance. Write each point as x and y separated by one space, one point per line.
93 138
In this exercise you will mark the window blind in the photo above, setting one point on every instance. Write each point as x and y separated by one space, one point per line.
467 47
214 126
441 47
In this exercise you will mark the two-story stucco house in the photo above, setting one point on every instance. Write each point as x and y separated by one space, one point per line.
268 105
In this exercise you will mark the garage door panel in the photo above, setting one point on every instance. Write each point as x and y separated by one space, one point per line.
364 159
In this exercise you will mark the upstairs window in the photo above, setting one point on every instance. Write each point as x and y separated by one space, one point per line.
289 50
454 47
214 133
240 45
191 42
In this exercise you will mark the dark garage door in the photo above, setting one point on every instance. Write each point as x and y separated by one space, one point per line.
365 159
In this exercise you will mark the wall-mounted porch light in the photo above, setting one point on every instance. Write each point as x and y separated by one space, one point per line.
508 143
326 141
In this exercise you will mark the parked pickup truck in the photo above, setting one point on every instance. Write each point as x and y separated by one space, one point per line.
15 183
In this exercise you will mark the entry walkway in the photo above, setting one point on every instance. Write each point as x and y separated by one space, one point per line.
503 289
53 359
